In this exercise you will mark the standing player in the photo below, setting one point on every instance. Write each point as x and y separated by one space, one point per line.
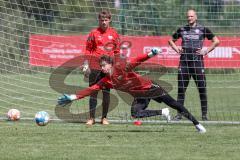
96 46
191 59
120 76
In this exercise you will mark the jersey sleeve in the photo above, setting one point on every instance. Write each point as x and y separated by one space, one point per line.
90 44
136 61
102 84
88 91
208 33
177 34
105 83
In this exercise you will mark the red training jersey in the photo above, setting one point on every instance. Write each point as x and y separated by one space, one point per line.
122 78
101 42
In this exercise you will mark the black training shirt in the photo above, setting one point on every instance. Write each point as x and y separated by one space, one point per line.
193 37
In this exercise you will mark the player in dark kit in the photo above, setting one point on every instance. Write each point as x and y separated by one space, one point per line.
120 76
191 60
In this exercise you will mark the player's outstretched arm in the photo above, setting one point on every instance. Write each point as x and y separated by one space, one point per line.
68 98
143 57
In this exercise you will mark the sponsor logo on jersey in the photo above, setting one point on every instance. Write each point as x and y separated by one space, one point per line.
194 37
99 38
197 31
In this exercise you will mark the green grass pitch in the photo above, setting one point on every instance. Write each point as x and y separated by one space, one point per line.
26 140
61 140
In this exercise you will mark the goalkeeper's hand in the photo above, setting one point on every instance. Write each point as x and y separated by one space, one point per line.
66 98
86 69
154 51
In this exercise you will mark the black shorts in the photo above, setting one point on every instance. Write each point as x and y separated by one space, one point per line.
154 92
95 76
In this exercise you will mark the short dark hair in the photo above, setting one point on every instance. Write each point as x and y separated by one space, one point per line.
105 14
106 58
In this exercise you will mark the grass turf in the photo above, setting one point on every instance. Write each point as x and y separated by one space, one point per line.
26 140
31 93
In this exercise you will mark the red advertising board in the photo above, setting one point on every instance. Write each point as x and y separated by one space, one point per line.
53 51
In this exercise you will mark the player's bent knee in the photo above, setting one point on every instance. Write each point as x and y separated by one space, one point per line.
135 113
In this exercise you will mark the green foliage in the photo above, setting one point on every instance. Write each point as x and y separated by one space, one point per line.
148 17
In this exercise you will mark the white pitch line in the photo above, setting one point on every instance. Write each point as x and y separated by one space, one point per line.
144 121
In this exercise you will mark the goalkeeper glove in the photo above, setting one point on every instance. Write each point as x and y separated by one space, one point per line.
154 51
66 98
86 69
85 66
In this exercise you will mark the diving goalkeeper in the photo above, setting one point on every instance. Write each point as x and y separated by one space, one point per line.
120 76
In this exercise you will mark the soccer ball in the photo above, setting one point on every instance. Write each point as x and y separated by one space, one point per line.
13 115
42 118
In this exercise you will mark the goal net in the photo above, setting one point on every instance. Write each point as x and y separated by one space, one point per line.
38 36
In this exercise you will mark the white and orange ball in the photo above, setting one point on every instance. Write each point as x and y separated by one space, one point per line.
13 115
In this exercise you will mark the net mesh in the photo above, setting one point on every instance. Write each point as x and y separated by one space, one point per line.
26 86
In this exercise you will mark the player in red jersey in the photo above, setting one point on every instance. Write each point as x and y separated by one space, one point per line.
99 43
120 76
